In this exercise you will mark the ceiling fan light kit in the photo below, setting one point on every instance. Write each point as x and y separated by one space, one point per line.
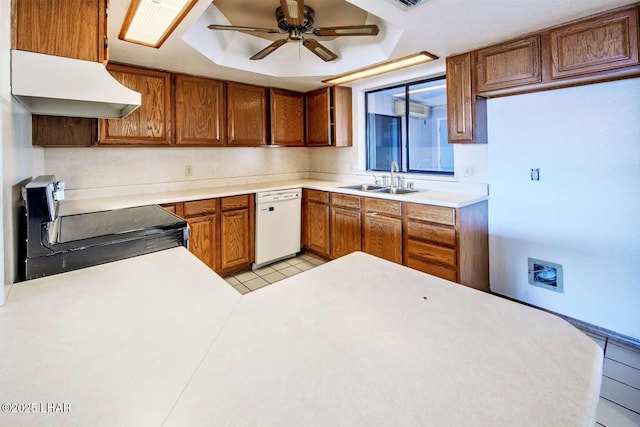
383 67
296 20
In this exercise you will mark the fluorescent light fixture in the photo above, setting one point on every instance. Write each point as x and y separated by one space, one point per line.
422 90
384 67
151 22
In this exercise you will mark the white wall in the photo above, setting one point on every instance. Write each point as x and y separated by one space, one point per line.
584 213
19 160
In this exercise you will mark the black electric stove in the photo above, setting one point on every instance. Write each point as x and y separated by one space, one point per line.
55 244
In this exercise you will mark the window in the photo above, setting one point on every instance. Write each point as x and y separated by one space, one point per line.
408 124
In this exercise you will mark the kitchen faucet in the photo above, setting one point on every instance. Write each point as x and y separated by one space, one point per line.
393 170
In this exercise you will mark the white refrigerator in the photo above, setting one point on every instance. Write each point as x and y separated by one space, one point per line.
582 214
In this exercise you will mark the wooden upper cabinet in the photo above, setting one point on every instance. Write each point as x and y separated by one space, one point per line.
466 113
595 45
317 115
150 124
246 115
201 110
509 64
287 117
55 131
69 28
329 117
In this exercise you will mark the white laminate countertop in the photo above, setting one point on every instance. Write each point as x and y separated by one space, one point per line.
432 197
161 340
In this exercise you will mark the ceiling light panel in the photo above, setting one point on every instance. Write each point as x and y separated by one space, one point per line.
381 68
150 22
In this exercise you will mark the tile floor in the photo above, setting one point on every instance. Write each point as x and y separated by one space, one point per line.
252 280
619 404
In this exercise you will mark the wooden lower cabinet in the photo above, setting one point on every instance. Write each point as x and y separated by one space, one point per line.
346 225
315 222
237 233
448 243
222 231
382 229
203 238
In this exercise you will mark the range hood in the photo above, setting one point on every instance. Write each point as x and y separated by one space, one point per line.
56 86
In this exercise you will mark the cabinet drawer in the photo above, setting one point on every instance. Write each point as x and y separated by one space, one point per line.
384 207
433 269
317 196
345 200
234 202
433 253
200 207
439 214
431 232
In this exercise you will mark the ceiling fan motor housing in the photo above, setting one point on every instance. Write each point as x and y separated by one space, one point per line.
307 23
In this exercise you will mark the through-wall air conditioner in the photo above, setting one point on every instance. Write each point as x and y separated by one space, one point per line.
418 111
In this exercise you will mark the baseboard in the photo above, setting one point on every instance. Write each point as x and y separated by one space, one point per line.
588 328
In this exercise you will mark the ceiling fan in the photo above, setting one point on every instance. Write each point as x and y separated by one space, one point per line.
296 20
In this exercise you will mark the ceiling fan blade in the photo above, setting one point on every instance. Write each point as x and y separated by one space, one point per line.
293 11
322 52
269 49
239 28
349 30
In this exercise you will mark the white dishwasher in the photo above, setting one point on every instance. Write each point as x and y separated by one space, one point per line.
277 225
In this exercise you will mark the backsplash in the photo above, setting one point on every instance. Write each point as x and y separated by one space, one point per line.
101 168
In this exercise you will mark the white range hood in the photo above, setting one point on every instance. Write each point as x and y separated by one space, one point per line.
57 86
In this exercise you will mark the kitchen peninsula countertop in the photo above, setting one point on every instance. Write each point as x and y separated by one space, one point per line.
161 340
431 197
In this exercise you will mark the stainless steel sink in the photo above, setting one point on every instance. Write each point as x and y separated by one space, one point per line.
397 190
364 187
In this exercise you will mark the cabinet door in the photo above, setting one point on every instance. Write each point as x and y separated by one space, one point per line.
341 119
287 117
466 116
317 114
200 111
69 28
150 124
316 227
246 115
346 231
382 237
509 64
594 45
55 131
235 247
202 240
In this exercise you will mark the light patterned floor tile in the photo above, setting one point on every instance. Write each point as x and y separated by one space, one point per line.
246 276
296 260
274 277
290 271
264 271
316 261
232 281
304 266
280 265
256 283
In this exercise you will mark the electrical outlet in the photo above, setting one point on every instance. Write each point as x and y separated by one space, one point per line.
535 174
469 171
188 170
